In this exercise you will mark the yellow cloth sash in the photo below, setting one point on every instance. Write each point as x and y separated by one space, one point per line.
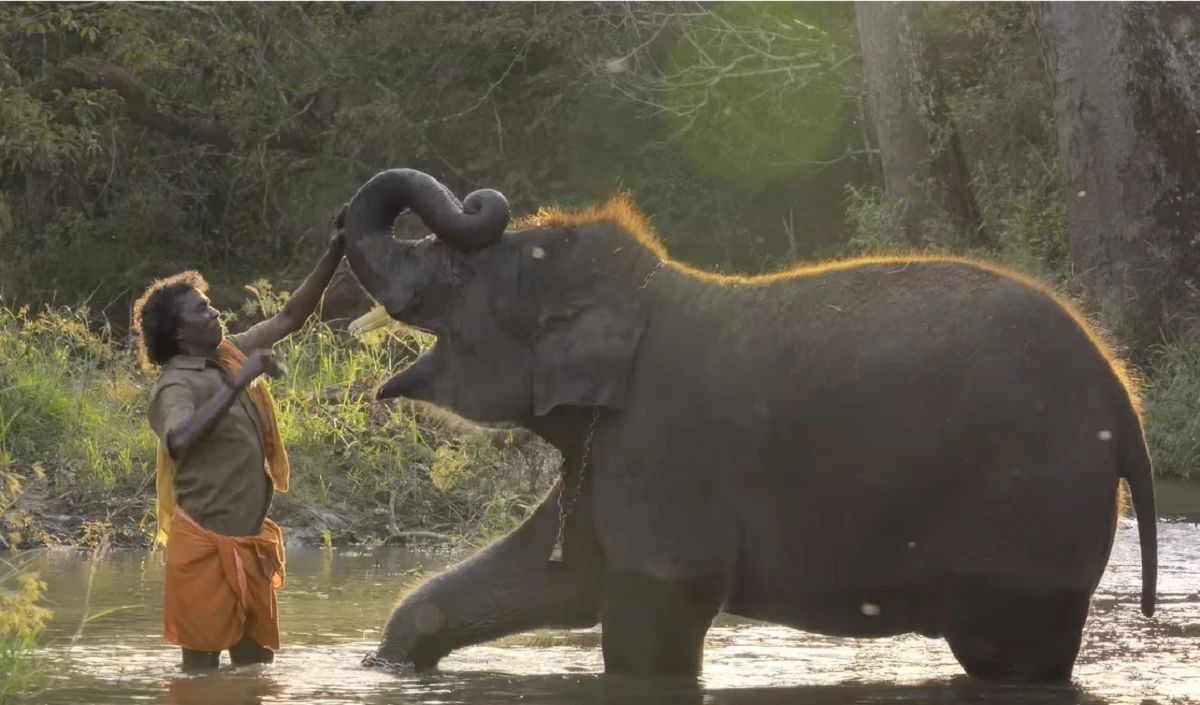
277 466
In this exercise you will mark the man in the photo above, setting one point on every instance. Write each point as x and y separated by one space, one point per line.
220 458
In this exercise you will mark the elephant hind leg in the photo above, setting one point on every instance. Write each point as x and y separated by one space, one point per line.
1001 633
656 627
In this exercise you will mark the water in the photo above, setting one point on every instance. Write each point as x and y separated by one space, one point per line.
336 601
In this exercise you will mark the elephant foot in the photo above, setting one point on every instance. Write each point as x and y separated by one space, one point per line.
373 660
653 627
1017 636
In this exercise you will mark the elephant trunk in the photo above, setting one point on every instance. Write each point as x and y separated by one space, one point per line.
476 223
378 259
507 588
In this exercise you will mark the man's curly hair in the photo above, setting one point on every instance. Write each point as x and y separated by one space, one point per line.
156 317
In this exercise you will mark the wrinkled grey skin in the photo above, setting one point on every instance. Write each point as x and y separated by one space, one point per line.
872 450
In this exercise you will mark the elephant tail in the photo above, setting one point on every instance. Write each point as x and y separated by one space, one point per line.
1135 467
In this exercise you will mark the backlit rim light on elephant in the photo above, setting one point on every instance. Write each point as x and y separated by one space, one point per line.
621 211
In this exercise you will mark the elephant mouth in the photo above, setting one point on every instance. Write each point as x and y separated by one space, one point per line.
420 371
412 378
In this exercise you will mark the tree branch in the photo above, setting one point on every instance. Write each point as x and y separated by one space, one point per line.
722 52
142 107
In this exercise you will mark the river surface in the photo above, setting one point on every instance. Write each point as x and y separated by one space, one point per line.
335 602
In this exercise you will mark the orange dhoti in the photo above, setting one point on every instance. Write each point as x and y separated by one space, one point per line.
219 588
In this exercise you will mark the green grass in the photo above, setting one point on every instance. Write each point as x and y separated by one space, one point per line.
21 620
1172 424
73 427
71 405
21 614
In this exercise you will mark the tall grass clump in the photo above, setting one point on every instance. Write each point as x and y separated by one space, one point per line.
21 621
72 404
1170 418
21 591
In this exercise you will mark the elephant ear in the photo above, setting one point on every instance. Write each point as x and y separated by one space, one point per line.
584 346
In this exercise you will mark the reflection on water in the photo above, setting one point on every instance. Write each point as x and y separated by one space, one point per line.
336 601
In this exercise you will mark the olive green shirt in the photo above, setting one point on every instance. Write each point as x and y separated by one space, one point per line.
221 481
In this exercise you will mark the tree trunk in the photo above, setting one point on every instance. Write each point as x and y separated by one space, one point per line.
924 168
1125 79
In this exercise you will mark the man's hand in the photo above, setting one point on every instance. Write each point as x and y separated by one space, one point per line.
259 362
183 435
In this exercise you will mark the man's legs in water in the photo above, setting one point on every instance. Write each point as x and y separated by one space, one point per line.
194 661
248 651
243 653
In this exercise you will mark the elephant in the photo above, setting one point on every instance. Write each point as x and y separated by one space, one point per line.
966 426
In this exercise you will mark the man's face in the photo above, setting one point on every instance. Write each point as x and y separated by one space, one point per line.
199 328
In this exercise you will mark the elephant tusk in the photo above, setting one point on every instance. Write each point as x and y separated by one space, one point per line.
375 318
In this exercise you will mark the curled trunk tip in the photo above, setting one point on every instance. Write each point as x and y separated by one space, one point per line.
477 222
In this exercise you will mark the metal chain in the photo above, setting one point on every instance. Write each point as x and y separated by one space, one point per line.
564 512
556 553
376 662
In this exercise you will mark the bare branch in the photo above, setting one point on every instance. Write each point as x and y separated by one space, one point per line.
723 51
142 107
488 93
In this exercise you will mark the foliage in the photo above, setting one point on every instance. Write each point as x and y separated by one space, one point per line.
138 140
745 128
21 591
999 103
71 400
752 91
1172 425
21 621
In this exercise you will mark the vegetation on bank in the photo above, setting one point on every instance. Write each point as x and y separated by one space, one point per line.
21 616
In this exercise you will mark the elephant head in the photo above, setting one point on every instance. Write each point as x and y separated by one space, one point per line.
526 320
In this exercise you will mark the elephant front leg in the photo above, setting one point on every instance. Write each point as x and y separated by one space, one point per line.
656 626
670 548
507 588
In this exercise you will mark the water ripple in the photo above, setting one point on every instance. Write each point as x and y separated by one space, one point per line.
335 603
